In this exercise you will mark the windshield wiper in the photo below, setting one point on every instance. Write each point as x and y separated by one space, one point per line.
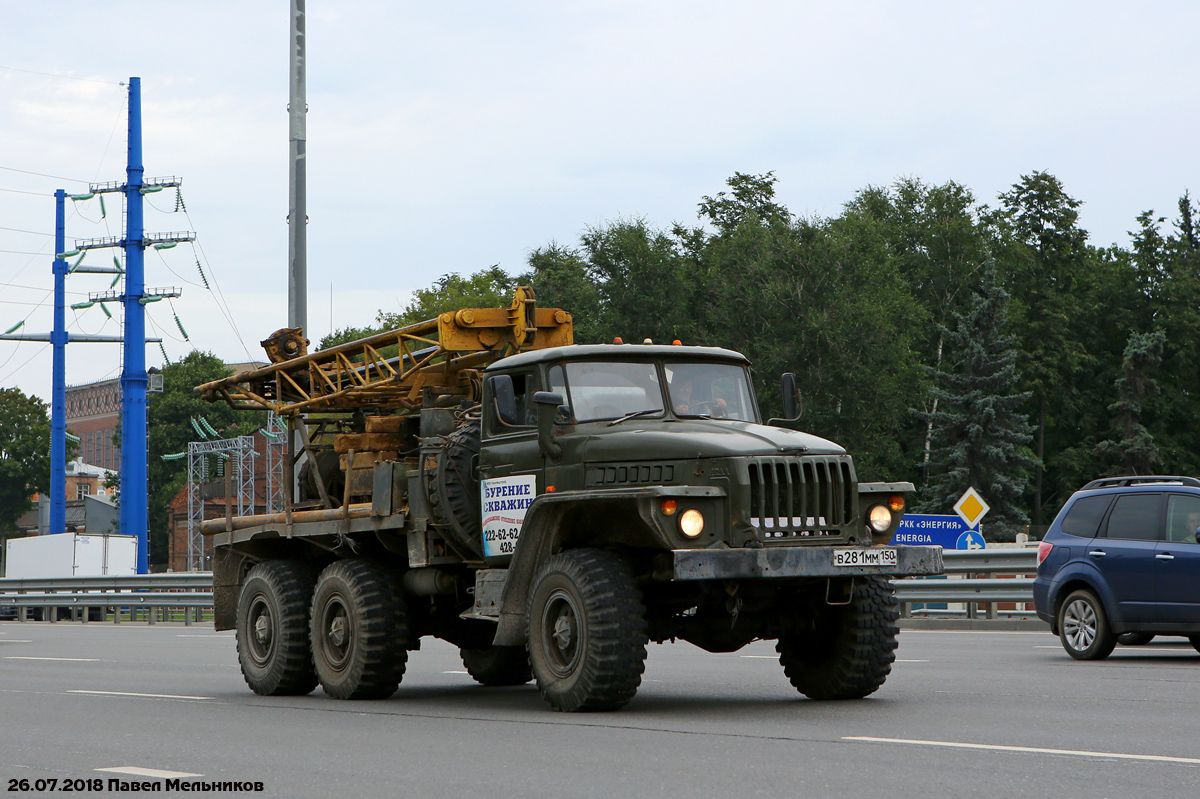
635 414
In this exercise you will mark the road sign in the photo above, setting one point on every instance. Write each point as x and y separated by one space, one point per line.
947 532
971 539
971 507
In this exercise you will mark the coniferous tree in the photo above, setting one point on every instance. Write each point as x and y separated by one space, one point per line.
981 434
1132 448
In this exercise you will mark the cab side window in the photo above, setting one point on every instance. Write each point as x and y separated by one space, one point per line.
1084 517
1183 518
524 385
1135 517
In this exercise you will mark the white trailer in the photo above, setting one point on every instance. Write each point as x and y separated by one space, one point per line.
71 555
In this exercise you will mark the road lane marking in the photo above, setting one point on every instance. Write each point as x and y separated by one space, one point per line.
764 657
1026 749
453 672
31 657
128 693
17 641
149 772
185 635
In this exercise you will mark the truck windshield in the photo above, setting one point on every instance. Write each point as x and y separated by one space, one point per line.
709 390
610 390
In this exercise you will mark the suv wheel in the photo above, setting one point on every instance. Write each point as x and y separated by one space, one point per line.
1083 627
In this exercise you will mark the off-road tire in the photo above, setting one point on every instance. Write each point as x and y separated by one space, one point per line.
272 628
452 489
359 630
497 665
849 652
1135 639
587 631
1083 627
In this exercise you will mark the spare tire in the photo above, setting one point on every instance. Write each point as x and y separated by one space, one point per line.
449 467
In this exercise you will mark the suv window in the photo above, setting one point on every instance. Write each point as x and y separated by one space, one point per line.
1084 517
1135 517
1183 517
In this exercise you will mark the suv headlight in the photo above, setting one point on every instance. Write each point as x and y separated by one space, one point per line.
879 518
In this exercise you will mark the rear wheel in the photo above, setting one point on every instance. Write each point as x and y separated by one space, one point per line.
359 630
587 631
1083 627
1135 639
272 628
850 649
497 665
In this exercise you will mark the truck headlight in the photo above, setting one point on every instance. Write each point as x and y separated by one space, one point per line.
880 518
691 522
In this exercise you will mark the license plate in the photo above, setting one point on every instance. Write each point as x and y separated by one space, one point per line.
864 557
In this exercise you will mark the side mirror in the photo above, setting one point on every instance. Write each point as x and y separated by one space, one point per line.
548 403
504 399
791 397
791 401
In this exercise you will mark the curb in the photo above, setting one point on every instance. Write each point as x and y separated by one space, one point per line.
1022 625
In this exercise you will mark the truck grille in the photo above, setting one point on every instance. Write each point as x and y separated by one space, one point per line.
801 496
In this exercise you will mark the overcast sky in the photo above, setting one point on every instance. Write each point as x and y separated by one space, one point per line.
449 136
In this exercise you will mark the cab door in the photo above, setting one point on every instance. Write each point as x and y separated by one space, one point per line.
1177 558
1124 555
510 466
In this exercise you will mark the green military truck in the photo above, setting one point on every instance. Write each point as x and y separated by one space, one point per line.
549 508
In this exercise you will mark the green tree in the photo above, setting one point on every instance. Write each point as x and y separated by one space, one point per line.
24 454
981 433
1068 341
487 288
822 299
170 430
938 243
1131 447
560 278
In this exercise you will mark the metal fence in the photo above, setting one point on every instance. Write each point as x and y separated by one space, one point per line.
963 584
158 597
152 597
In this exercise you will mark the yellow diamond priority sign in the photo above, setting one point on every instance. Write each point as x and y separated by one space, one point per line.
971 507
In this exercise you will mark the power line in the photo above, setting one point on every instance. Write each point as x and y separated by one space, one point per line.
34 193
20 252
34 232
42 174
64 77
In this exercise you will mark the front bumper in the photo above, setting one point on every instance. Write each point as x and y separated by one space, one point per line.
800 561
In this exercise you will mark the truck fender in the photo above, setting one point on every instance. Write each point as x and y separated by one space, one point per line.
543 534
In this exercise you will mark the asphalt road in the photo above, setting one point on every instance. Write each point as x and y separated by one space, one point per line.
964 714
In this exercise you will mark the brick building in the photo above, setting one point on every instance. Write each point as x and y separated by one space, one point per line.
93 412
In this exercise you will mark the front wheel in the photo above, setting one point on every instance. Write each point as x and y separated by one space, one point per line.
359 630
272 629
1083 627
849 650
587 631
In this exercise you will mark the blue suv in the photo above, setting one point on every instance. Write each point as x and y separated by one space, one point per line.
1122 558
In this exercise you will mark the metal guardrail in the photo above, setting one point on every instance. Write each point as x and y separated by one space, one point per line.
970 590
190 591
